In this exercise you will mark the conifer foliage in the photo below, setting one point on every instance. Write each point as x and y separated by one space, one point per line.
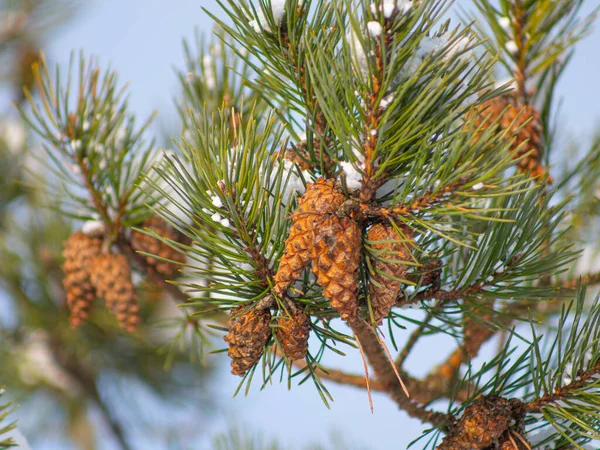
340 163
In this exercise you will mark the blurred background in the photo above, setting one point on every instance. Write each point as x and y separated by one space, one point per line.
104 389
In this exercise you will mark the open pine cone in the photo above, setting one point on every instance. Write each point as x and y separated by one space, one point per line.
170 258
79 251
384 285
525 122
292 331
111 276
320 200
248 335
336 259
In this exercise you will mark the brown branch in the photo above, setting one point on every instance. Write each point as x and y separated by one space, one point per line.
564 391
587 279
520 41
412 340
340 377
386 375
428 200
87 382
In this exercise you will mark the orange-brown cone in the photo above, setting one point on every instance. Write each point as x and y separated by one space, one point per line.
384 285
111 275
320 200
79 251
482 425
513 120
148 244
248 335
292 331
336 258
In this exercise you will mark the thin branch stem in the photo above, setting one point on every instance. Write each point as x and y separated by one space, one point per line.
386 375
413 339
565 391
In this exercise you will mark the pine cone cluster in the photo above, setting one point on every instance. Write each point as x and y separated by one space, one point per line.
79 251
89 274
320 201
332 244
292 331
389 269
483 425
111 276
167 259
249 332
525 122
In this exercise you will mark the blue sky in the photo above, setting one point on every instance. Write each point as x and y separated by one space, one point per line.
141 39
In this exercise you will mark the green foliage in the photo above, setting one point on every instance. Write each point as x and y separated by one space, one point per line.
5 410
93 145
389 107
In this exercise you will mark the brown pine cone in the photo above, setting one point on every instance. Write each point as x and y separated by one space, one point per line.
111 275
320 200
514 117
336 258
292 331
79 251
248 335
147 244
384 286
482 425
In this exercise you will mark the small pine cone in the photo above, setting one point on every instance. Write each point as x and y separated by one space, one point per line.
513 120
148 244
384 289
336 258
79 250
320 200
248 335
292 332
111 275
482 425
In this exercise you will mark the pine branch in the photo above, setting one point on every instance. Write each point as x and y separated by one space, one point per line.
5 410
386 375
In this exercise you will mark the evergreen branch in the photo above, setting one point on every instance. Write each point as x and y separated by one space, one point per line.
584 381
5 410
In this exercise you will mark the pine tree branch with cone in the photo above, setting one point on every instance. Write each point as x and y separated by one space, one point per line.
340 163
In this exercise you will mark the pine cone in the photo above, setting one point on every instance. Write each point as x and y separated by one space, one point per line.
292 332
148 244
111 275
513 120
482 425
384 286
320 200
248 335
336 258
79 250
